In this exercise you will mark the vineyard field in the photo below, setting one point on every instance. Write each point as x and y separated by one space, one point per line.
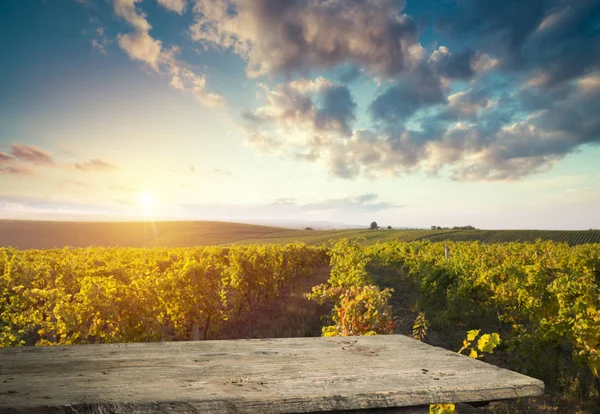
541 298
47 235
106 295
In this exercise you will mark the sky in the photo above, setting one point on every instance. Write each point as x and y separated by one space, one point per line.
412 114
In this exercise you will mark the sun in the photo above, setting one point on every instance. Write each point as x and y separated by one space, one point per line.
147 201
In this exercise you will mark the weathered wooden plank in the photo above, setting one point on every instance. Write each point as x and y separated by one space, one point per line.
248 376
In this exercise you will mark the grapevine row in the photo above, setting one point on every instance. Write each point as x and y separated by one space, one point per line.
543 298
73 296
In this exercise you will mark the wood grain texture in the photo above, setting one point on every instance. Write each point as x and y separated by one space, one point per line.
292 375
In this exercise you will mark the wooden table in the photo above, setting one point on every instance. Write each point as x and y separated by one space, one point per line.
248 376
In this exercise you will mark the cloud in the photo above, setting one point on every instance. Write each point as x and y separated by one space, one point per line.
365 202
99 46
94 165
5 158
412 92
300 110
141 46
517 98
337 110
462 65
264 142
491 131
177 6
197 85
20 207
127 10
307 34
559 37
13 169
369 153
31 154
338 209
350 74
100 41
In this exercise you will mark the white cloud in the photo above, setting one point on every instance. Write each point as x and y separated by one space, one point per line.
372 34
198 88
127 10
177 6
141 46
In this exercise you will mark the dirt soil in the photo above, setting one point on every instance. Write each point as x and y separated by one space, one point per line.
288 316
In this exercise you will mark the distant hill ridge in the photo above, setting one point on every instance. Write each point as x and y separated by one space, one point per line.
56 234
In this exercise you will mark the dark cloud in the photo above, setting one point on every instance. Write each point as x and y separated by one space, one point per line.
567 42
480 134
560 38
519 94
500 27
350 74
95 165
307 34
337 110
575 119
29 153
414 91
455 65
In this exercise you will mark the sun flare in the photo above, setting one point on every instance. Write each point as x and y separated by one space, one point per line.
147 202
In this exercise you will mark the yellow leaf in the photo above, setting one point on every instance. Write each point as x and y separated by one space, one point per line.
488 342
442 409
472 334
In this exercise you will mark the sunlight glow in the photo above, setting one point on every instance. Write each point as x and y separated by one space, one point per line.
147 201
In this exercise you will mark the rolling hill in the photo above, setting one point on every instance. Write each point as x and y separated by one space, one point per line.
56 234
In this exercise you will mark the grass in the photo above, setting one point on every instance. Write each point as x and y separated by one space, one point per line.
52 234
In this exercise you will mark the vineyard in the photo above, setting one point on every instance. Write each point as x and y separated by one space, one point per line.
96 295
571 237
542 298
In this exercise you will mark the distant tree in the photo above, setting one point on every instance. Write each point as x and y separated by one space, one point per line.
308 228
389 227
374 226
433 227
463 228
